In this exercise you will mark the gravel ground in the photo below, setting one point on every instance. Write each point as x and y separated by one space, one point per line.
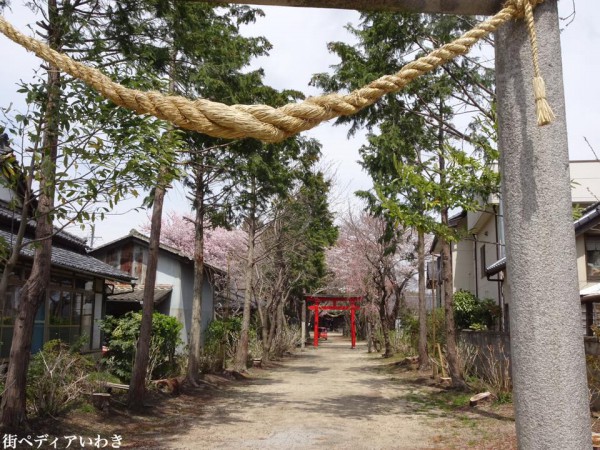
333 397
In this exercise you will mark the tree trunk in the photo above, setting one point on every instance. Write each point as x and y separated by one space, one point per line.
272 314
137 386
26 213
303 325
17 243
264 327
195 352
447 280
423 356
31 299
451 350
33 294
241 357
384 328
279 325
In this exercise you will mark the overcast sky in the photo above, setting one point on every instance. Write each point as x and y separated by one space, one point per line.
299 37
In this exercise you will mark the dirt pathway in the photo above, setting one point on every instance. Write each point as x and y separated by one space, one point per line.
332 397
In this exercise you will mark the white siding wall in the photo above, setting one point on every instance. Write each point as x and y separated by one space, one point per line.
581 267
176 272
463 266
486 236
169 271
585 186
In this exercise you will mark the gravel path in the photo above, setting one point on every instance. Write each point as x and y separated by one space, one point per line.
325 398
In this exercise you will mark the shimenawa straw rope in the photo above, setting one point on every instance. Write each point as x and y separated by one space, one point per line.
275 124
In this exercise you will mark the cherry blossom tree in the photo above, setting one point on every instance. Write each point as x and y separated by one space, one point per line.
222 247
376 259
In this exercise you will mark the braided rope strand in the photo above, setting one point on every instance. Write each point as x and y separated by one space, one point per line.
544 113
261 121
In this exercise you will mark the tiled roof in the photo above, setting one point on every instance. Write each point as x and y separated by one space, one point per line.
69 259
142 237
588 220
14 217
125 294
134 234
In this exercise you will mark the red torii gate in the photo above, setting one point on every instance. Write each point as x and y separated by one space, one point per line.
331 303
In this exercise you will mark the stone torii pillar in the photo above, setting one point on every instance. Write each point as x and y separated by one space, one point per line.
548 358
549 374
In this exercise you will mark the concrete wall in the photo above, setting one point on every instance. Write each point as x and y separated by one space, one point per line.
491 346
499 343
592 345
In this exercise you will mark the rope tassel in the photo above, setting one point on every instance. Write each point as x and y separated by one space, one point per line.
542 107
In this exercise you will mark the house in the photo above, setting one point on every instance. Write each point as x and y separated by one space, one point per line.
75 297
480 244
479 256
173 293
587 246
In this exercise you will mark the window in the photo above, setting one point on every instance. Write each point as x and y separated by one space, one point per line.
70 315
482 260
592 257
67 314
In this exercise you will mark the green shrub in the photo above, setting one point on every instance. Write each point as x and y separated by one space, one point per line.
410 335
57 378
220 342
472 313
122 335
255 345
223 331
406 342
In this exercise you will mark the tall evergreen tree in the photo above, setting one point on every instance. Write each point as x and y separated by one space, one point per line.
416 131
76 166
264 174
203 53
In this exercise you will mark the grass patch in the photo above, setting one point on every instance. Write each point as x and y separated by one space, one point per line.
467 421
446 400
